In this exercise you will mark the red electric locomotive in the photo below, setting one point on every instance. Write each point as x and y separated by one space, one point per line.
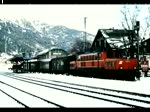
99 64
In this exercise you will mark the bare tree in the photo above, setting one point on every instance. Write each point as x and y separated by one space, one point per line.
78 46
148 22
130 18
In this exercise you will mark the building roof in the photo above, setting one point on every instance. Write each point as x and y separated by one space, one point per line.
43 52
117 33
115 37
18 58
48 50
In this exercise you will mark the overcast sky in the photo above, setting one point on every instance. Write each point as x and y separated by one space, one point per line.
72 16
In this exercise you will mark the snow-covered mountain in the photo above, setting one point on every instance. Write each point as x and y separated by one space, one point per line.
24 36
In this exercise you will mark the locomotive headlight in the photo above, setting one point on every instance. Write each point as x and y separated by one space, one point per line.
134 67
120 62
120 67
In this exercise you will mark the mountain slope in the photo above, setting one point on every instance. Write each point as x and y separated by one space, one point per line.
24 36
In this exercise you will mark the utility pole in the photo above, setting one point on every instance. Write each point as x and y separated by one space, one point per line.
5 44
136 31
138 28
85 33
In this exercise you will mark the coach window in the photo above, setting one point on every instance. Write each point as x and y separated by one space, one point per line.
95 57
85 58
99 56
81 58
88 57
113 64
91 57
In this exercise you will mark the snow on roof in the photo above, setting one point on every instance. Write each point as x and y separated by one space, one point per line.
33 60
115 37
43 52
47 50
54 47
45 60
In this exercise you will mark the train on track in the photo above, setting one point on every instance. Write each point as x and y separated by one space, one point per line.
97 64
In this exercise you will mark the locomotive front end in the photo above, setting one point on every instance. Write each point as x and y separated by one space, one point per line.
129 68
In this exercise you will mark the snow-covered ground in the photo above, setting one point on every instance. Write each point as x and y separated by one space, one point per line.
6 101
140 86
63 98
4 64
4 67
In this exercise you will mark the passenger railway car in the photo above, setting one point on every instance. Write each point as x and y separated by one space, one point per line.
33 65
44 65
19 64
61 65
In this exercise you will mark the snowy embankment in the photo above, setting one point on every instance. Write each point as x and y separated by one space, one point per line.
4 64
140 86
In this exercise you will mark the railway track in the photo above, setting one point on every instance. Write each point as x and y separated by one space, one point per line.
120 97
27 95
17 93
15 99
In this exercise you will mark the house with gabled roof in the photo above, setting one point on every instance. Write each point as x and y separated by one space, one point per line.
120 39
51 53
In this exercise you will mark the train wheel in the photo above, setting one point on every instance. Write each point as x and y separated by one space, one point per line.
145 74
132 78
136 78
138 75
